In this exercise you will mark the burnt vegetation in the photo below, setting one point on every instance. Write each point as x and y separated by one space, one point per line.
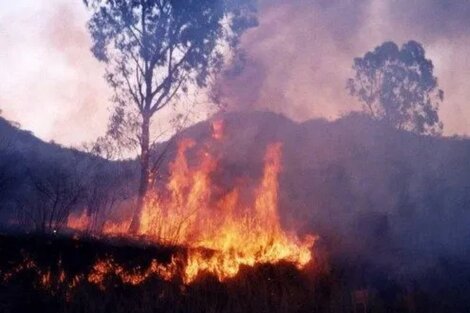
343 287
267 288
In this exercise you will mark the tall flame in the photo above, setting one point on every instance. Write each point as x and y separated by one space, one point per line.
236 234
221 231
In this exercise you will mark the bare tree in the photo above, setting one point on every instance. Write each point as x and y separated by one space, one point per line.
155 51
53 192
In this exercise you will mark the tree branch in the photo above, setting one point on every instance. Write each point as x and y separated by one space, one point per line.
131 89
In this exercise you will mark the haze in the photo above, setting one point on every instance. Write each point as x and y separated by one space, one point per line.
298 60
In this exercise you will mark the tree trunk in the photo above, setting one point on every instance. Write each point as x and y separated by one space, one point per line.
144 175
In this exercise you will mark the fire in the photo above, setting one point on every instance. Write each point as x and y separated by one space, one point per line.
112 228
217 129
222 229
236 233
249 236
108 266
79 222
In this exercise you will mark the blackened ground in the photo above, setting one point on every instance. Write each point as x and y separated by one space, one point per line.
339 285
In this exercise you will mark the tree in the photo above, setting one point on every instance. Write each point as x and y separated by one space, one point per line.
155 51
398 87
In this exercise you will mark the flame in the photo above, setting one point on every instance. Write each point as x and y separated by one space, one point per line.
115 228
105 267
236 234
222 230
217 129
79 222
100 271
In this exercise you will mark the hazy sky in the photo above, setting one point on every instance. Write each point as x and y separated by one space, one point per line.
49 81
298 60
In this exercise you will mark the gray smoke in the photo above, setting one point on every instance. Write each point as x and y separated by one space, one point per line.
297 61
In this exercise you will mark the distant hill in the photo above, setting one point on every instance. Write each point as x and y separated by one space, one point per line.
37 177
22 139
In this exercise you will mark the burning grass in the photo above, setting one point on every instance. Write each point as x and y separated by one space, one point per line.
67 275
60 274
240 226
199 247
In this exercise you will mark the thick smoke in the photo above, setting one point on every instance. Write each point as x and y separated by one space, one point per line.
85 94
433 18
297 61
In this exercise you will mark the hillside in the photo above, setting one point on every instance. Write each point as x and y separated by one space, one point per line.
391 210
37 177
368 191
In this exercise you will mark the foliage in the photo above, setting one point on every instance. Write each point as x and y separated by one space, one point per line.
398 86
156 50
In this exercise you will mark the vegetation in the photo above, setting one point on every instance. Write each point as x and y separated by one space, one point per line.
398 87
391 208
364 188
155 52
43 183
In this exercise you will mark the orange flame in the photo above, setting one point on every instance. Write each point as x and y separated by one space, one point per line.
106 267
222 230
237 234
79 222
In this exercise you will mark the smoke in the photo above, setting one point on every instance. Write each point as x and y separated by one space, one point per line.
297 61
433 18
86 95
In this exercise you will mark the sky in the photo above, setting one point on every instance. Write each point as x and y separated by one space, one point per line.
298 60
49 81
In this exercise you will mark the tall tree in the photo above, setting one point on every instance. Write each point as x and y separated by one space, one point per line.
398 86
155 51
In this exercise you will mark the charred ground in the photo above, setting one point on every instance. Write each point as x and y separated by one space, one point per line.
336 287
264 288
